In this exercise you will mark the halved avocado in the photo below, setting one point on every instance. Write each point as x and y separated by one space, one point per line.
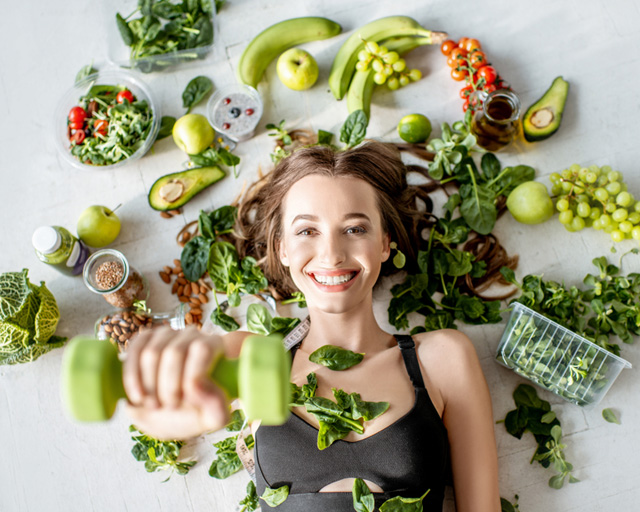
174 190
542 119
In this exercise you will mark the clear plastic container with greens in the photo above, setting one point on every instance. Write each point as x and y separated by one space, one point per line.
157 35
556 358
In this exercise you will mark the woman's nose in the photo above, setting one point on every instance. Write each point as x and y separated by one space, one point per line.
333 251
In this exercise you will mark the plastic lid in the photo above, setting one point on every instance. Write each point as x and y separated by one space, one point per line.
46 239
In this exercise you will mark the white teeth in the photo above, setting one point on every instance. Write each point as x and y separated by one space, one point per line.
334 280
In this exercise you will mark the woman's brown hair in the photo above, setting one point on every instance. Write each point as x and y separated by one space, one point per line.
259 224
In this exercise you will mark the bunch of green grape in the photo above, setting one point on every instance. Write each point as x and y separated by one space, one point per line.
387 66
596 197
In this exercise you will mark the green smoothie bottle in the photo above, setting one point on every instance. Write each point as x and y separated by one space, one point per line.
57 247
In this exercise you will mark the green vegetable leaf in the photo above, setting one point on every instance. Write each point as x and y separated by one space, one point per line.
223 265
166 127
195 91
335 358
275 497
46 319
400 504
354 129
14 290
84 72
610 416
237 420
477 208
363 500
324 138
251 501
227 461
125 32
490 166
195 258
258 320
225 321
366 410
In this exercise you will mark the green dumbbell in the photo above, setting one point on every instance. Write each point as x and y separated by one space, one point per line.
92 379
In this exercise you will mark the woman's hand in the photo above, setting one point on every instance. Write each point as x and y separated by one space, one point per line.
166 377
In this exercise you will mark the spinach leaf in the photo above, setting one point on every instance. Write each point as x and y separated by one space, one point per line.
490 166
275 497
237 420
439 319
258 320
225 321
223 265
400 504
166 127
195 91
167 10
195 257
362 498
511 177
477 207
296 297
227 461
125 32
335 358
354 128
159 455
507 506
251 501
324 138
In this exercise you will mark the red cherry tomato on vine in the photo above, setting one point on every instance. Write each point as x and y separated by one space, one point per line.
466 91
125 94
77 137
458 74
488 73
471 44
77 115
76 125
447 46
100 127
462 41
465 105
489 88
477 59
458 53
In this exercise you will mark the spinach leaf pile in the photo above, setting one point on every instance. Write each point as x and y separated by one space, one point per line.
159 455
28 319
336 419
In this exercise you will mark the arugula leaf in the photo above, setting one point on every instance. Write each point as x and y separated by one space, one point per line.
275 497
362 498
195 258
354 129
335 358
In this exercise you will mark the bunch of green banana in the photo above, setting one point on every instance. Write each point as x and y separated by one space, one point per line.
361 87
344 64
277 38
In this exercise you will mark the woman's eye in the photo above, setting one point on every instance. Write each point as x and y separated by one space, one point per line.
356 230
305 232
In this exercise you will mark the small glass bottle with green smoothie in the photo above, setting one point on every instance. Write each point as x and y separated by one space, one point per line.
57 247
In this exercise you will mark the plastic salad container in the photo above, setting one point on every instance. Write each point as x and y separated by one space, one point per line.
170 36
556 358
105 142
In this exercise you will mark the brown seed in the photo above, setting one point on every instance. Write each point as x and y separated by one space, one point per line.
174 288
203 298
182 281
195 311
136 321
114 320
117 330
203 289
140 317
188 318
177 263
175 270
182 298
122 323
126 315
195 289
184 237
108 328
180 290
181 273
167 269
195 301
175 212
165 277
122 338
165 215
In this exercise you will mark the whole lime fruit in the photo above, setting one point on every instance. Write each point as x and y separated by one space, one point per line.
414 128
530 203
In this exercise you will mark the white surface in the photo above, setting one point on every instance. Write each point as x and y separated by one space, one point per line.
49 463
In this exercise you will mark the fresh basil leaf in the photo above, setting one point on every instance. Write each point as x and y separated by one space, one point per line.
335 358
195 91
195 257
610 416
363 500
275 497
258 320
223 320
166 127
354 128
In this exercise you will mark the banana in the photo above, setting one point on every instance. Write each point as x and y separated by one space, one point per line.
362 84
277 38
344 63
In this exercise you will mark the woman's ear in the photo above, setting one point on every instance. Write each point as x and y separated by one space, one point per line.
386 247
282 253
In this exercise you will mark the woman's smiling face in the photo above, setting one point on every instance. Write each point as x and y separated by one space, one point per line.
333 241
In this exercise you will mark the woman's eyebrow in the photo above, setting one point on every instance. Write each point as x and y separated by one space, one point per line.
348 216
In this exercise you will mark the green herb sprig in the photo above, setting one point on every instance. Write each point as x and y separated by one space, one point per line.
532 414
159 455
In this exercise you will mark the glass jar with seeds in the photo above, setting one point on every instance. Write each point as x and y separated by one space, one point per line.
108 273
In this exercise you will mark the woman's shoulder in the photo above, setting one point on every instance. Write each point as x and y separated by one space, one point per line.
443 340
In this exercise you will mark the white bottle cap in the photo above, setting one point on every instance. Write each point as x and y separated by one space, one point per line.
46 239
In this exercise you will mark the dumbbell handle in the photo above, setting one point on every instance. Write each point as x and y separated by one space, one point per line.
92 379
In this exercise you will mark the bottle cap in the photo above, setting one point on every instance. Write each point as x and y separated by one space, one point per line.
46 239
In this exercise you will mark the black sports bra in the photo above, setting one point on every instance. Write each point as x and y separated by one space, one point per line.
405 459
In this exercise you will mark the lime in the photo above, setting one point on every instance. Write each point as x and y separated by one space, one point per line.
414 128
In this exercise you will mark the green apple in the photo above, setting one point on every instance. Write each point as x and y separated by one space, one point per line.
98 226
530 203
297 69
192 133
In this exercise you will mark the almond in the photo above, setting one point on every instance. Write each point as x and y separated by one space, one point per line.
195 289
165 215
203 298
165 277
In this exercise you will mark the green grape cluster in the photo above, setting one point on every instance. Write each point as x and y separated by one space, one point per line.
596 197
387 66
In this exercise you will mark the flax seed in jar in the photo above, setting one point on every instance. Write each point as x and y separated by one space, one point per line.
108 273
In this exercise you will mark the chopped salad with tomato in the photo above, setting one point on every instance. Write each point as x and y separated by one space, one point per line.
108 125
469 63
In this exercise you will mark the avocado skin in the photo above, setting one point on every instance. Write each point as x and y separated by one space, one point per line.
555 99
197 180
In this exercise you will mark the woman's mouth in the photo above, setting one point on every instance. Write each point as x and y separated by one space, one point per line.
333 280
